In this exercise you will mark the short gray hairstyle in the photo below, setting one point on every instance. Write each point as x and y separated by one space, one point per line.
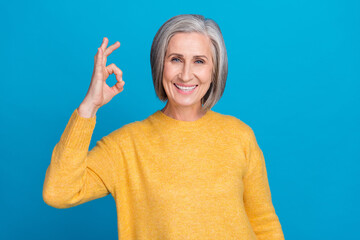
191 23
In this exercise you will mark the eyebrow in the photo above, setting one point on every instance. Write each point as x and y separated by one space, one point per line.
180 55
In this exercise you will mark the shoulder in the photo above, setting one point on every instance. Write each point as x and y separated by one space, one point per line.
233 124
125 131
131 130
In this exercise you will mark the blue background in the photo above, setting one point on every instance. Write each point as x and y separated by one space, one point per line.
294 73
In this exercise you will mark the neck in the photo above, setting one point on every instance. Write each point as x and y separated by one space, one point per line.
189 113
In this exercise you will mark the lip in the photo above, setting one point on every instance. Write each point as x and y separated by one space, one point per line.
185 92
184 85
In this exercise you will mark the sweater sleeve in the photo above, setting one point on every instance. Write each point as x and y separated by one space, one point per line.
76 175
257 196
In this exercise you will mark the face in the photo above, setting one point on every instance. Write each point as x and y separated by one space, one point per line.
187 69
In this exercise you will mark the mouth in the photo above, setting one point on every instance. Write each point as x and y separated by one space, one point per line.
185 88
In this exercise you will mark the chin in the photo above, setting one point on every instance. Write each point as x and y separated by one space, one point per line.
186 103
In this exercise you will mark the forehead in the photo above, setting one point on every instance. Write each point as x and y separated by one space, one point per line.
189 44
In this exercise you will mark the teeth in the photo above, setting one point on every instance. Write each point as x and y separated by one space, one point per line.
185 88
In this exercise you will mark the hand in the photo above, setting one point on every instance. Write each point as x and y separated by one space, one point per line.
99 93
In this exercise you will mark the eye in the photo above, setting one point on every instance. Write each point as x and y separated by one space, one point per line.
199 61
175 59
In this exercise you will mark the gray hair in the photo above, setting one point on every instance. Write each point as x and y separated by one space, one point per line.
191 23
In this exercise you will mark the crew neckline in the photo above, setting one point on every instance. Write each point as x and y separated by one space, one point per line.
181 123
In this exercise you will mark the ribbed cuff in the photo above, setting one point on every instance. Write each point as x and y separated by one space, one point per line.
78 132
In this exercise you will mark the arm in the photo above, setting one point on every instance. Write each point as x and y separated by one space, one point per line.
76 175
257 196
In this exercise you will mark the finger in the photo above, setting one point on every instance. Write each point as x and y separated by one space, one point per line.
110 49
99 59
112 68
118 87
98 72
104 44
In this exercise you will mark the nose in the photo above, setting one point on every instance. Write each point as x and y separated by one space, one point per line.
186 72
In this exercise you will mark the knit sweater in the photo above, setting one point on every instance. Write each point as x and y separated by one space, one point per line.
171 179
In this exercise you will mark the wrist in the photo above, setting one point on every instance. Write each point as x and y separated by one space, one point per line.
86 110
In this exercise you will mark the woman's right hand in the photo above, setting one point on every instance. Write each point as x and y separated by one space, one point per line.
99 93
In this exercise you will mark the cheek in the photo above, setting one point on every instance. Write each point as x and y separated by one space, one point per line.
205 75
169 72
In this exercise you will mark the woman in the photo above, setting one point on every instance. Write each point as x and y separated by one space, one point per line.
185 172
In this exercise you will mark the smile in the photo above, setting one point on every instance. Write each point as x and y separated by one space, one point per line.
186 89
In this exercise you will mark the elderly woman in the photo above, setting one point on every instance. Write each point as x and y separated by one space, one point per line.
185 172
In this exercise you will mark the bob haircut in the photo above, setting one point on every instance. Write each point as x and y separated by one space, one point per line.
191 23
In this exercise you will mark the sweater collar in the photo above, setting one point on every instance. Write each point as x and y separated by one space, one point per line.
168 122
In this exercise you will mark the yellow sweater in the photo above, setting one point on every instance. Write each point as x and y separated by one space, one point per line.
170 179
